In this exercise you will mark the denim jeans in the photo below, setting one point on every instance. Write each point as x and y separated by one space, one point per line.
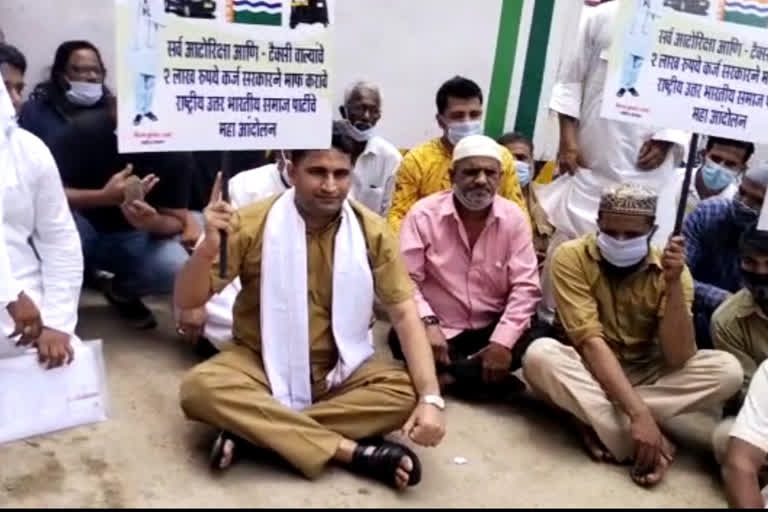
142 265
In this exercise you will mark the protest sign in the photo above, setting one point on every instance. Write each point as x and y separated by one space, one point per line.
223 75
705 72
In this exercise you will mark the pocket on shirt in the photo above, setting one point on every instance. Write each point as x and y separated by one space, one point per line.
372 196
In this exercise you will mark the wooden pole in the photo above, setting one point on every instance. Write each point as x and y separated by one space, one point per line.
226 171
689 164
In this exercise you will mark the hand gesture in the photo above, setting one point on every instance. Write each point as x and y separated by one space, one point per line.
496 362
426 426
54 349
648 442
140 215
652 154
219 215
26 319
570 159
673 259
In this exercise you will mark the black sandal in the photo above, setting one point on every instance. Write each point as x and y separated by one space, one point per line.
217 451
384 460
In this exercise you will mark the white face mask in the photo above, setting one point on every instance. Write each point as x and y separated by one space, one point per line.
358 134
282 168
523 172
475 200
623 253
457 131
85 94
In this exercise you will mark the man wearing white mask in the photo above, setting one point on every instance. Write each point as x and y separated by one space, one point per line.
39 238
425 169
631 362
594 152
376 160
210 327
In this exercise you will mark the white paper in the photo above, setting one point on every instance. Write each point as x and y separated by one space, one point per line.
36 401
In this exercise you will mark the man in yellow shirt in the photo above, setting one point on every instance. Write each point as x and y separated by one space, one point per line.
424 170
632 363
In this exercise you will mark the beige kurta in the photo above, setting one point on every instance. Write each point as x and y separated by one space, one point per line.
231 391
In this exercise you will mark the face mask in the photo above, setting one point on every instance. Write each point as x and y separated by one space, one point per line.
358 134
457 131
743 215
474 200
85 94
523 172
757 284
715 176
623 253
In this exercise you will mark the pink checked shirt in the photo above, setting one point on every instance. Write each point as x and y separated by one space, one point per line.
466 288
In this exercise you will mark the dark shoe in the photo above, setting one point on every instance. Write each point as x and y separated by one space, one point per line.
621 92
151 116
137 120
132 310
634 92
380 459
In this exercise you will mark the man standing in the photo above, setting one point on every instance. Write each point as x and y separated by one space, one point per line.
424 170
300 379
712 235
39 236
149 15
595 152
376 160
632 364
471 256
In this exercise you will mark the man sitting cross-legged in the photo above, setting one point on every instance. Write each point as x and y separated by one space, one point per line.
300 379
633 364
470 252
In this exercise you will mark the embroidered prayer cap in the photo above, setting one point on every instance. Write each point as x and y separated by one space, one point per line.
629 199
758 173
476 145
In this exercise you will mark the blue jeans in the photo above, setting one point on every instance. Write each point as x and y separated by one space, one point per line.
142 265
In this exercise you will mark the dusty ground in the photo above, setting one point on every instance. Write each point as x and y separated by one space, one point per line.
147 455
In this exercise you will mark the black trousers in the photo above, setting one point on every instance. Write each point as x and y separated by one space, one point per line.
468 373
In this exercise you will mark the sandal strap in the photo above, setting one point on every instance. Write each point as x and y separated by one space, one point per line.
383 461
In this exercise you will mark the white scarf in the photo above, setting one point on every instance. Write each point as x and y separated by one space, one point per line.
285 309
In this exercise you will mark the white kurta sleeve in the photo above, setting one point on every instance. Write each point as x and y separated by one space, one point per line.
752 423
569 87
57 243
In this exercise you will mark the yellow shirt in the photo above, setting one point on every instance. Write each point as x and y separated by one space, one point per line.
625 313
425 170
740 326
392 284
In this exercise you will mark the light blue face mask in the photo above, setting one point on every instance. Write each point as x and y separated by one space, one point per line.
457 131
524 174
715 176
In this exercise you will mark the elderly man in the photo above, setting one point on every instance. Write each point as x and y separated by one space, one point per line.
712 235
632 364
376 160
425 169
471 255
39 235
300 379
597 153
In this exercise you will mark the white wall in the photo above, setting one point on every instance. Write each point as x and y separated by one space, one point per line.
408 47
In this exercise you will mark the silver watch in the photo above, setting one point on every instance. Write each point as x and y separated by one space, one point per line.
435 400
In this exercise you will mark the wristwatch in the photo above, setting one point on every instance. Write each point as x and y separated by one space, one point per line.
430 320
435 400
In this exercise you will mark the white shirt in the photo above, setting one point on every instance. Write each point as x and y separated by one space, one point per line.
9 289
245 188
40 235
374 175
609 148
752 422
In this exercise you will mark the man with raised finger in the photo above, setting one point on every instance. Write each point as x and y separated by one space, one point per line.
631 362
470 253
301 379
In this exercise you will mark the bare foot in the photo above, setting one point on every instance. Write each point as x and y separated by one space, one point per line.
227 454
656 475
594 446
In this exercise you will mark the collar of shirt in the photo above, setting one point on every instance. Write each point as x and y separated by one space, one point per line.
746 307
654 256
372 147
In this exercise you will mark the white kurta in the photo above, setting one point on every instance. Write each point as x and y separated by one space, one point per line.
9 289
146 52
609 148
40 236
373 179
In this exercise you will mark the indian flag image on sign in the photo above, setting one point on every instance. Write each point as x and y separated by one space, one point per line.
256 12
746 12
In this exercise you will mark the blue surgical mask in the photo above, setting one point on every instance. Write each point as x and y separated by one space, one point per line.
457 131
623 253
524 174
85 94
715 176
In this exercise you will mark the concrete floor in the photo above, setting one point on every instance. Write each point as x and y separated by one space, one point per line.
147 455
